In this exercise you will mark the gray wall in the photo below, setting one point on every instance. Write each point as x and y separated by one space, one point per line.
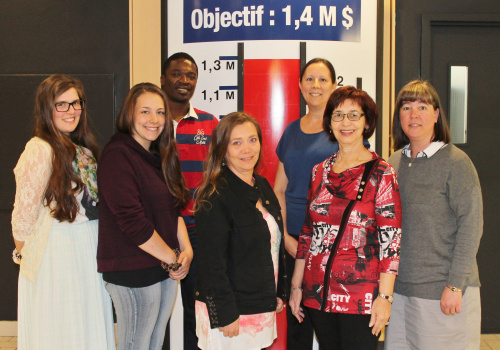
465 33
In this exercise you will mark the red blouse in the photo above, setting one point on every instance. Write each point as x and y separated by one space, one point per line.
365 206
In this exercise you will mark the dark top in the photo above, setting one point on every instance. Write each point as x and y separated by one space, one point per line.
300 152
235 267
134 201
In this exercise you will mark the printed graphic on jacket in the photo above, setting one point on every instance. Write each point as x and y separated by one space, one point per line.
369 245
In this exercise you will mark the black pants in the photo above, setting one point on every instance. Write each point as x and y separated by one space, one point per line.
342 331
299 336
188 286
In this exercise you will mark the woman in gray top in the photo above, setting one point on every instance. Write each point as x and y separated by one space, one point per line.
436 300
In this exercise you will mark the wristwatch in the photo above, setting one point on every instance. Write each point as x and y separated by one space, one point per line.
453 289
389 298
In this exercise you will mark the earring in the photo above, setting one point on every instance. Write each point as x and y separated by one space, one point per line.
223 162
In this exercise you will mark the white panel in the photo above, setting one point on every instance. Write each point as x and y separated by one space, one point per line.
459 76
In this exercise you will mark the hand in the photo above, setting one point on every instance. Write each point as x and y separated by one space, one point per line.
291 245
294 302
231 330
381 312
19 245
185 259
451 302
279 305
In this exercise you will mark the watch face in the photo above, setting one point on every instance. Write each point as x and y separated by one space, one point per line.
389 298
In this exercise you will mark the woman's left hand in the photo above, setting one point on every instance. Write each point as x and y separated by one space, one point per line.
381 312
185 259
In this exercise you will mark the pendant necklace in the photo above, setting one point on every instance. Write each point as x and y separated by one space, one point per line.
357 160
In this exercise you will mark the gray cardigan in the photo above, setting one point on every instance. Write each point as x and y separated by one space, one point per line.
442 222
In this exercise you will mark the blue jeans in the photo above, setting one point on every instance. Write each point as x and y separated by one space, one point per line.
142 314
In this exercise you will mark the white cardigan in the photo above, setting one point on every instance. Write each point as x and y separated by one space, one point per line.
31 220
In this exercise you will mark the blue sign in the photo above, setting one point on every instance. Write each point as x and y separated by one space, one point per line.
240 20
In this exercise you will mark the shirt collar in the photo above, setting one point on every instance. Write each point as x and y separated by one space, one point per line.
190 114
431 150
253 193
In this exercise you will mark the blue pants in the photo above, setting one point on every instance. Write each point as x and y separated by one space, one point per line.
142 314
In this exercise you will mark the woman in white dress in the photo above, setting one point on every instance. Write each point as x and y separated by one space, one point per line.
62 300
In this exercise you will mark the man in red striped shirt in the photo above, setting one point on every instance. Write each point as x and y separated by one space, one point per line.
193 131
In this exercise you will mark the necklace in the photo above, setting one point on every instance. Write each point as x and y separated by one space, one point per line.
352 164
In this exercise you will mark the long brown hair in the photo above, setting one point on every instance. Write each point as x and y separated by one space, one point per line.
419 90
165 145
218 150
60 188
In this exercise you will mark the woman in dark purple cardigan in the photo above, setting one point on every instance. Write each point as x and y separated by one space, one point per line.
143 243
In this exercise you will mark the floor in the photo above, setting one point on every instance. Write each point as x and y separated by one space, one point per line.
488 342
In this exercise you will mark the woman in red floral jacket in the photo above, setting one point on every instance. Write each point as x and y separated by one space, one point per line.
348 253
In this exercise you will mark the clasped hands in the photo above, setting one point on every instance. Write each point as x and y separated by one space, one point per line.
179 269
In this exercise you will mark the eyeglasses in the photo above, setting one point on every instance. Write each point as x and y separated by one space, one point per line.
64 106
353 116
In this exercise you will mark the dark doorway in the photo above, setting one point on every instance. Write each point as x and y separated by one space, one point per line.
462 34
88 39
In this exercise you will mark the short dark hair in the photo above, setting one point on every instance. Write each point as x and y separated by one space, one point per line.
419 90
176 56
320 60
358 96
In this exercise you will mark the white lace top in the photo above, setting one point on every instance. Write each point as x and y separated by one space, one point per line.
32 173
31 220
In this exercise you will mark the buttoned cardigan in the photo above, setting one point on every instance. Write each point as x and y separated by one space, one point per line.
235 267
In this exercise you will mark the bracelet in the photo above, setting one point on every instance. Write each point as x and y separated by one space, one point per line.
16 256
294 288
453 289
387 297
174 266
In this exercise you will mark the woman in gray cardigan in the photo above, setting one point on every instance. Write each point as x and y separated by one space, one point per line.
436 300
